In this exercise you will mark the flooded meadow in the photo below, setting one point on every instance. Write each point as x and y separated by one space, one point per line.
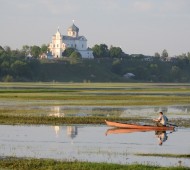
94 143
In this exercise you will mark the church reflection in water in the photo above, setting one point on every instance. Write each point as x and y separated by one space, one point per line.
71 131
56 111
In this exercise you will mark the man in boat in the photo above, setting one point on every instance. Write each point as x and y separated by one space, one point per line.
162 120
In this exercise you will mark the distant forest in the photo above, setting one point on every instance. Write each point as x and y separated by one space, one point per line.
109 65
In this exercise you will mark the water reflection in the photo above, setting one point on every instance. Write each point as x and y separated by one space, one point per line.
57 129
56 111
72 131
161 135
91 144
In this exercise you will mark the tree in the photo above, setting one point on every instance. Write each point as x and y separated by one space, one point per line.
5 67
44 48
1 50
157 55
19 67
115 52
164 55
68 52
7 49
116 66
153 68
75 57
8 78
26 49
100 51
175 72
35 51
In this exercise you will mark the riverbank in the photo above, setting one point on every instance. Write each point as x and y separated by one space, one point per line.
44 164
45 120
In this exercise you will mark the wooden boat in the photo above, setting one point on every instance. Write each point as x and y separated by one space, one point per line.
136 126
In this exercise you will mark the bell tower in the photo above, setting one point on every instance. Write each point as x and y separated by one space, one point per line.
73 30
56 45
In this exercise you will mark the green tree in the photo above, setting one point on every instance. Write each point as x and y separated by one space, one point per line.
175 72
164 55
116 66
8 78
100 51
7 49
1 50
157 55
35 51
153 69
115 52
5 67
75 57
44 48
68 52
19 67
26 49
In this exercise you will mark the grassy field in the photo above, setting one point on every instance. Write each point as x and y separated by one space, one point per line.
19 101
44 164
97 94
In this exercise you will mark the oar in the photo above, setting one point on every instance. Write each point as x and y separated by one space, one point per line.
171 124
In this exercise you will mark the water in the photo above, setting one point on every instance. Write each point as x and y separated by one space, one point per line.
90 143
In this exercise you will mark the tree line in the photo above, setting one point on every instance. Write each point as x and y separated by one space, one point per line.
15 65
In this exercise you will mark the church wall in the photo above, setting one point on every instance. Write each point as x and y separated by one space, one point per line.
81 44
88 54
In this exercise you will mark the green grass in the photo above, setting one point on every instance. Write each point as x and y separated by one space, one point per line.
165 155
58 120
98 94
48 164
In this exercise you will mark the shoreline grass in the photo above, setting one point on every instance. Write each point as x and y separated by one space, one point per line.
165 155
44 164
51 120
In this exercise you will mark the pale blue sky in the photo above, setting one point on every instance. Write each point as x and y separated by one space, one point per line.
137 26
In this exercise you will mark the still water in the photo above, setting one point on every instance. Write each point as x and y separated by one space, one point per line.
93 143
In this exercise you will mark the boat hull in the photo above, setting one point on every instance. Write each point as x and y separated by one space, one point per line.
133 126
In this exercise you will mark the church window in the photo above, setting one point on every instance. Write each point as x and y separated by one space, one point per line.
57 45
82 45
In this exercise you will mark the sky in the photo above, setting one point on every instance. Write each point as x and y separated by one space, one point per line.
137 26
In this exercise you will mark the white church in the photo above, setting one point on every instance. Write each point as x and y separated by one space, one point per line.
71 40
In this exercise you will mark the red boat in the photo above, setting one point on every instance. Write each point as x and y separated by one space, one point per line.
136 126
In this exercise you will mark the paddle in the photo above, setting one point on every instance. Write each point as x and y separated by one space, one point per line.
171 124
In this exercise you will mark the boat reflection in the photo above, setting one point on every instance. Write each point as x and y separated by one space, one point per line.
161 135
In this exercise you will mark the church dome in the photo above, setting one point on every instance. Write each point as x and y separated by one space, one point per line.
73 28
